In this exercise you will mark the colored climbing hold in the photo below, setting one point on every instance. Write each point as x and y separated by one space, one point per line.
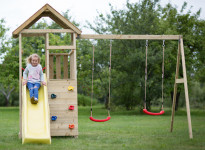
53 118
70 88
53 96
71 126
71 107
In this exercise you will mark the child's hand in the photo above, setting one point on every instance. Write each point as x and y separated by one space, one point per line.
43 83
24 82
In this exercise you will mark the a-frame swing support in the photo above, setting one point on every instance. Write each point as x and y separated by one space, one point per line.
180 54
178 81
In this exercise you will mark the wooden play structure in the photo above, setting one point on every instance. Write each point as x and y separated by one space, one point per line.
62 88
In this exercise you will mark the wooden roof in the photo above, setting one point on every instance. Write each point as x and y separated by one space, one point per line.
47 11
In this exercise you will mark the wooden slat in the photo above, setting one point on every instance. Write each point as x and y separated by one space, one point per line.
180 80
73 132
130 37
65 67
43 31
58 67
51 67
65 101
61 47
65 126
32 34
60 54
63 95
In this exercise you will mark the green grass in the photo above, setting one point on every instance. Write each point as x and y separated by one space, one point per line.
129 130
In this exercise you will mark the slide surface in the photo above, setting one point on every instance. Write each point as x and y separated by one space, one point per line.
35 117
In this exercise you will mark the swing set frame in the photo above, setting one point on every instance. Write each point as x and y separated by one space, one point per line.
180 55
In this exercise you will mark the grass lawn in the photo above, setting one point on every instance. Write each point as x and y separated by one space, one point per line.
129 130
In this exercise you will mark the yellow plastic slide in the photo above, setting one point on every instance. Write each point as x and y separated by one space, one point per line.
35 117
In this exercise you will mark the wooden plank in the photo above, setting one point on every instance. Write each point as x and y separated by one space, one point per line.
65 67
175 88
61 47
73 132
180 80
32 34
130 37
60 54
65 126
62 82
58 67
20 89
63 101
63 95
43 31
61 89
47 55
186 89
51 67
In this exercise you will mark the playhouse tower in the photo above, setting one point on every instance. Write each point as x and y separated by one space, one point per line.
62 87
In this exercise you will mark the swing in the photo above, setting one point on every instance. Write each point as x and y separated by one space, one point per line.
91 117
145 110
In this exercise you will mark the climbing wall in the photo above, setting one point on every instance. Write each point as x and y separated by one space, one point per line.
63 108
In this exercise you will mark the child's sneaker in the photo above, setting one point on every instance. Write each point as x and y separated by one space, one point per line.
32 100
35 100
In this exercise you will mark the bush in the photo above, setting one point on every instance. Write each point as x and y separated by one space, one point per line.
85 100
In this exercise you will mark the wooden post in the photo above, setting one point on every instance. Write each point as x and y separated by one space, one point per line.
20 82
73 72
47 55
186 89
175 87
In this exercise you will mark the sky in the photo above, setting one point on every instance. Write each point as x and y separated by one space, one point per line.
15 12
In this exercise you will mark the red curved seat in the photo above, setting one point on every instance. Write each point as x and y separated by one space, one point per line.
151 113
100 120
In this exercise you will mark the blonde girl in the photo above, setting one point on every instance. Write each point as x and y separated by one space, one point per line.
33 76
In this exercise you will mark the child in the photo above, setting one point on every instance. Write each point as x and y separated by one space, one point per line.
33 76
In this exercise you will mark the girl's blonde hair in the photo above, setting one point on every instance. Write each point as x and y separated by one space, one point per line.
28 59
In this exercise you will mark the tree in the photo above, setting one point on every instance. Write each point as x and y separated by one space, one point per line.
148 17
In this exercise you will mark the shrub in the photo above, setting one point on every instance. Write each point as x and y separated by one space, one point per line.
85 100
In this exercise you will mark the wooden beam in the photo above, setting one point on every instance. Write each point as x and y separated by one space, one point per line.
40 31
130 37
175 88
32 34
60 54
47 55
20 89
186 89
180 80
62 47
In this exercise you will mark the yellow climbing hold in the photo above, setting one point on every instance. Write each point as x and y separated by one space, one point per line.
70 88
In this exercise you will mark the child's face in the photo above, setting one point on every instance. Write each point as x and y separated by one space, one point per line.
34 61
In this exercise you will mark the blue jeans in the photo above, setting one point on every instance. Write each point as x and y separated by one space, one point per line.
33 89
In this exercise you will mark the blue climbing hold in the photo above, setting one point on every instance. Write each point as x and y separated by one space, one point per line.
53 118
